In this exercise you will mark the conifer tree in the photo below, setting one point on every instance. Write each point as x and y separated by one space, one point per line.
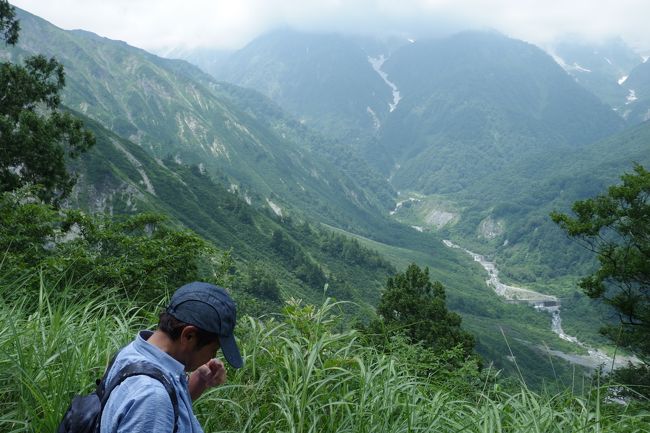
414 306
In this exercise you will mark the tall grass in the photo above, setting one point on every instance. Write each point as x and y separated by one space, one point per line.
53 346
303 374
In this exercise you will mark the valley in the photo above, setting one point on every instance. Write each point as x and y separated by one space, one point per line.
292 153
548 304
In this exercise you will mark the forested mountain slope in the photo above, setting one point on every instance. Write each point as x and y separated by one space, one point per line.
478 102
324 80
246 157
291 258
571 176
166 109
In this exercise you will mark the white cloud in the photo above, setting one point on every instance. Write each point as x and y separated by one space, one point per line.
155 24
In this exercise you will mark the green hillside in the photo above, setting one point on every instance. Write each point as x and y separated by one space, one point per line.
528 247
524 203
119 177
175 111
477 103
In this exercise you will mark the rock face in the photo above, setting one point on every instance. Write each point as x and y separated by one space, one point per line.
439 218
490 228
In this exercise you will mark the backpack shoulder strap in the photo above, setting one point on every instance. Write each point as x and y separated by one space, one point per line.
140 368
101 383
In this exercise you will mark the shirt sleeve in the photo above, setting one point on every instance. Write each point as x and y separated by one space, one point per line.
140 404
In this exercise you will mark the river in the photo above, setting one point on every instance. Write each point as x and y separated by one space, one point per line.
550 305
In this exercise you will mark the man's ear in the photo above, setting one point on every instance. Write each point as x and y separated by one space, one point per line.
189 336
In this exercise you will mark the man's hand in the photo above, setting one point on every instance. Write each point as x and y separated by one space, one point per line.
210 374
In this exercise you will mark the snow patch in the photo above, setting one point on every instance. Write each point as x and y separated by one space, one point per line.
375 119
376 63
418 228
622 80
559 60
575 67
631 97
608 61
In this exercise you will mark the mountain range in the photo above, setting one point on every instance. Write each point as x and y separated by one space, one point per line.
177 111
481 134
472 120
451 110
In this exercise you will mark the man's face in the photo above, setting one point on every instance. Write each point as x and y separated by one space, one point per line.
198 357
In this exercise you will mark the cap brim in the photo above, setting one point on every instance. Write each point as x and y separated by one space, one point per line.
231 351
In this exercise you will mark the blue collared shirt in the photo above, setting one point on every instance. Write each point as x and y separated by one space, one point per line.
141 404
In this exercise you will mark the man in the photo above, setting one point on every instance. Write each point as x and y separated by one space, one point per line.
198 321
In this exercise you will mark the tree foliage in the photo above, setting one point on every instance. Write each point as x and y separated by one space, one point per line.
616 226
303 266
36 136
9 25
258 281
414 306
140 253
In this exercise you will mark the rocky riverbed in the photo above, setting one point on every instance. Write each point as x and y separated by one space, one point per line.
547 304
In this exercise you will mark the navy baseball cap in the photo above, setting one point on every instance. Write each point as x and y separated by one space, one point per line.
210 308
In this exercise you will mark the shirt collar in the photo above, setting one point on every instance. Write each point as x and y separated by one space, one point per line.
154 352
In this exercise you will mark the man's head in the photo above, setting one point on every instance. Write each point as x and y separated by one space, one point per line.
207 311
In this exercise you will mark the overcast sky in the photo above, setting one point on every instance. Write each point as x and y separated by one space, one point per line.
161 24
